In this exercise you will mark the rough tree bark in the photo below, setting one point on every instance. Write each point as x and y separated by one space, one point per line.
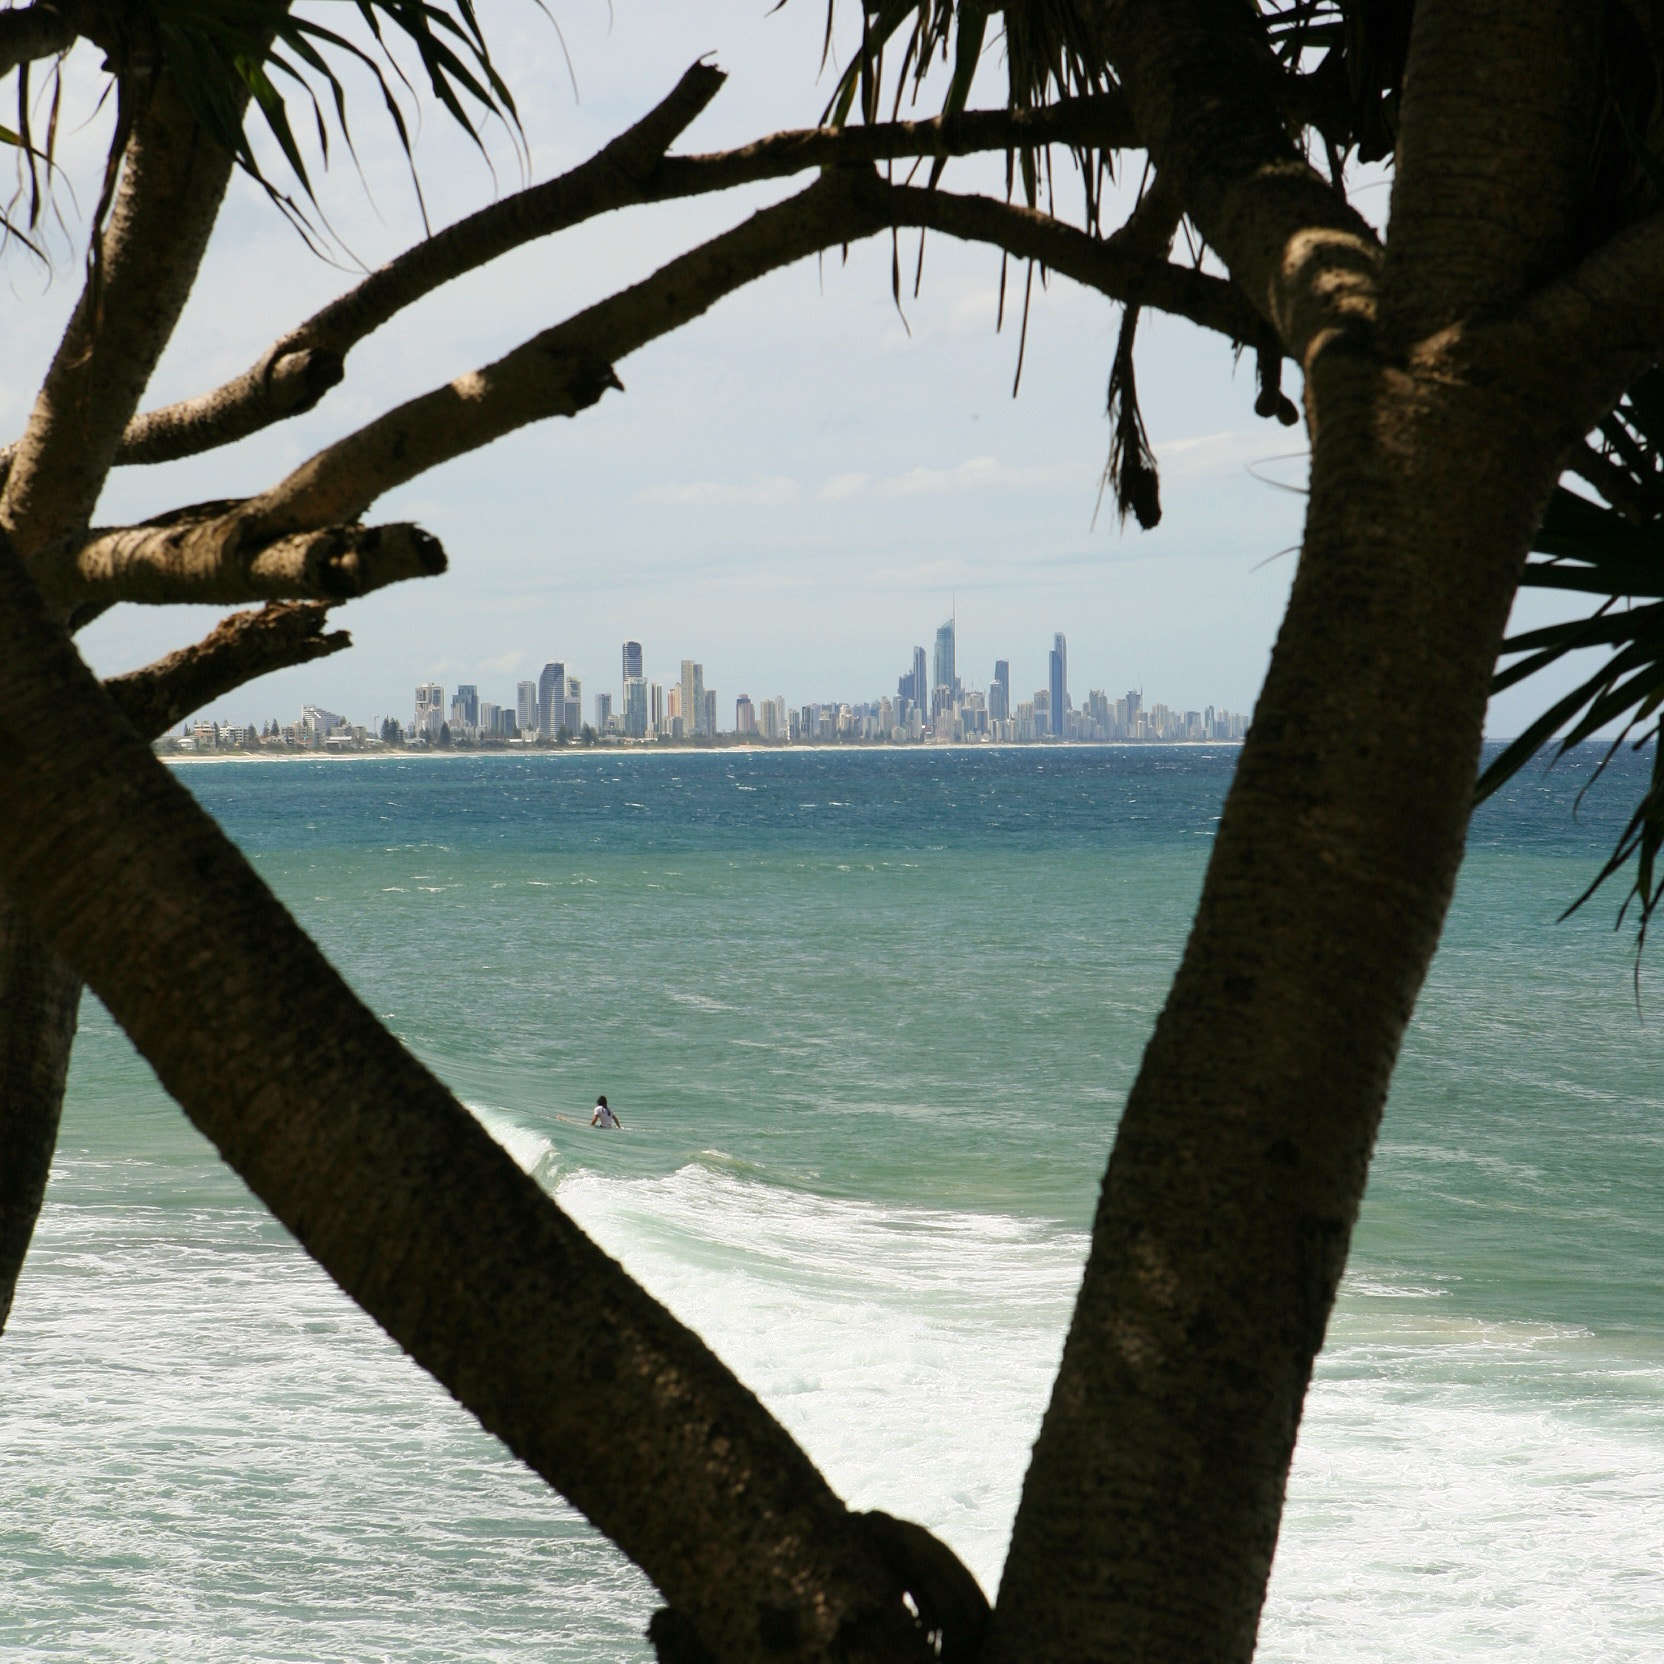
172 184
39 993
1150 1512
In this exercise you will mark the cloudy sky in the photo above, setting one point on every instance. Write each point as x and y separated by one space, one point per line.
794 490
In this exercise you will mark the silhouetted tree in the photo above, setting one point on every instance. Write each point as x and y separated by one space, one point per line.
1450 369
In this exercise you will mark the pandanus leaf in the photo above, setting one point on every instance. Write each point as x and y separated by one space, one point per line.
1592 548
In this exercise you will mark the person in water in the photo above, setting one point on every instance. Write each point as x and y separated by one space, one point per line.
604 1117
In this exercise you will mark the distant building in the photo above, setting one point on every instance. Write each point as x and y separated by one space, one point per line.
745 715
466 704
551 699
707 714
693 698
430 710
1058 682
572 713
658 710
943 674
603 712
632 661
635 707
525 708
317 723
999 692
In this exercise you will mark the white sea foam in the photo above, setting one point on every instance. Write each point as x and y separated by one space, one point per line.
909 1350
208 1452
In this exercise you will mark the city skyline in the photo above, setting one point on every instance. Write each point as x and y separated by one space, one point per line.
936 705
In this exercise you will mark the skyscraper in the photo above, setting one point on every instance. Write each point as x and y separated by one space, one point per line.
632 661
573 718
1058 682
603 712
921 680
551 699
525 709
468 699
693 697
999 692
635 707
942 672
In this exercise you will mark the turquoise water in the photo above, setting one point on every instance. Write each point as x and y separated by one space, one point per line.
868 1018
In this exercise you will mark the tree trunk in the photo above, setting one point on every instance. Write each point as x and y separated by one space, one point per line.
1151 1509
405 1199
39 995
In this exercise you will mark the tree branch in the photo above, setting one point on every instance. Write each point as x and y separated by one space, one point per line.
568 367
296 371
1119 266
238 650
565 369
1206 95
405 1199
220 552
172 182
42 30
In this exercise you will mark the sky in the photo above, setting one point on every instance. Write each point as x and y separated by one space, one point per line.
794 490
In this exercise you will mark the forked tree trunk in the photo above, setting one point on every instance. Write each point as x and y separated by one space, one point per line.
1151 1510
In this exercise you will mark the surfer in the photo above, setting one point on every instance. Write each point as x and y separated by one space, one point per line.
604 1117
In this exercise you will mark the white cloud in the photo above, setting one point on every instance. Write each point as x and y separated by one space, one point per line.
722 494
841 486
978 474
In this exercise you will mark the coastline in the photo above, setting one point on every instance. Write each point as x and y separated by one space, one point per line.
453 753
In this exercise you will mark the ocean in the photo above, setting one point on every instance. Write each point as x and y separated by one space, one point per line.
868 1018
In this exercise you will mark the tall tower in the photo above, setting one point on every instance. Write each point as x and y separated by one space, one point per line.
999 691
551 699
942 671
692 692
632 661
1059 682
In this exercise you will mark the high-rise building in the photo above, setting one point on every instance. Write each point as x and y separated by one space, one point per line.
942 670
635 707
999 691
1058 682
603 712
693 697
745 715
632 661
573 718
551 699
707 714
465 705
430 709
525 707
658 710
